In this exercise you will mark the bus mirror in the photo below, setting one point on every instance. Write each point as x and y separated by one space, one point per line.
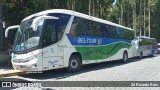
9 28
37 20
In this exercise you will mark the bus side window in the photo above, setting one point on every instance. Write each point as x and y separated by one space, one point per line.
49 35
106 30
73 29
102 30
60 33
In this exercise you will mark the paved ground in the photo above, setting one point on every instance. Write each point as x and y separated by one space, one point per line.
146 69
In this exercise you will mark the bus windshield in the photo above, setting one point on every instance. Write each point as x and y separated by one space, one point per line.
25 37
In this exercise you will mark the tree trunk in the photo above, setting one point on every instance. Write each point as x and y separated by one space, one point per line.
134 17
128 16
144 18
149 17
140 17
46 4
121 13
1 28
89 7
101 11
93 8
73 4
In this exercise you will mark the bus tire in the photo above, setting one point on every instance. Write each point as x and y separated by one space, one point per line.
141 55
125 57
75 64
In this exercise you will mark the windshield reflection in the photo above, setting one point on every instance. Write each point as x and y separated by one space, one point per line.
25 37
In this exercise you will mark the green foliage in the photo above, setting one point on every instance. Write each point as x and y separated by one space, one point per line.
155 21
16 10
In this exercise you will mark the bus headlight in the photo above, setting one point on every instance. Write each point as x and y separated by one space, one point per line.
20 61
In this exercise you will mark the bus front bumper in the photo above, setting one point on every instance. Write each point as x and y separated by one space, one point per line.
30 65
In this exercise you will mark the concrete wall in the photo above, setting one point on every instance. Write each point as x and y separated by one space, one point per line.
4 58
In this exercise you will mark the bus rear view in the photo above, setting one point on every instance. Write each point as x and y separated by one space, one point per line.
145 46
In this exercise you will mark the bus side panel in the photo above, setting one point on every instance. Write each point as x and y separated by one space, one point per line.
103 52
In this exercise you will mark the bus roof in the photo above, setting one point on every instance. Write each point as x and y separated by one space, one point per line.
69 12
146 37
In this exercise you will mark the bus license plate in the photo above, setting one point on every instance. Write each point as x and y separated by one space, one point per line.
18 67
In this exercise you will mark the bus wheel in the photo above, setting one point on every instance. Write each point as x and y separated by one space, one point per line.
125 57
140 55
75 64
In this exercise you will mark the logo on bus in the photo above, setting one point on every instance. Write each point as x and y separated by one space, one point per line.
87 40
55 62
99 41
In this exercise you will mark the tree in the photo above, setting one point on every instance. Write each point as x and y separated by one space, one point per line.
1 28
128 13
134 17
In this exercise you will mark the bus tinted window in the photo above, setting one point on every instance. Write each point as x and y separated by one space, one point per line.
147 41
54 29
103 30
84 27
49 35
61 23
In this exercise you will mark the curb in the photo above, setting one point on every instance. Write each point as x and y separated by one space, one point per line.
8 73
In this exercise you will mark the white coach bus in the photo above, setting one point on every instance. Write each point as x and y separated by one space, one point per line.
145 46
60 38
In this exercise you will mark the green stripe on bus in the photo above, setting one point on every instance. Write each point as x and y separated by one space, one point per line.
101 52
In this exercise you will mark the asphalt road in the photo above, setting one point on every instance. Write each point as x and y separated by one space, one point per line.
146 69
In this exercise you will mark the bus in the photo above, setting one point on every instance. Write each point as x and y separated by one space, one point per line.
145 46
60 38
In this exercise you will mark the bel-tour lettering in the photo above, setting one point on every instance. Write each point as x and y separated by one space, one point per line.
87 40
